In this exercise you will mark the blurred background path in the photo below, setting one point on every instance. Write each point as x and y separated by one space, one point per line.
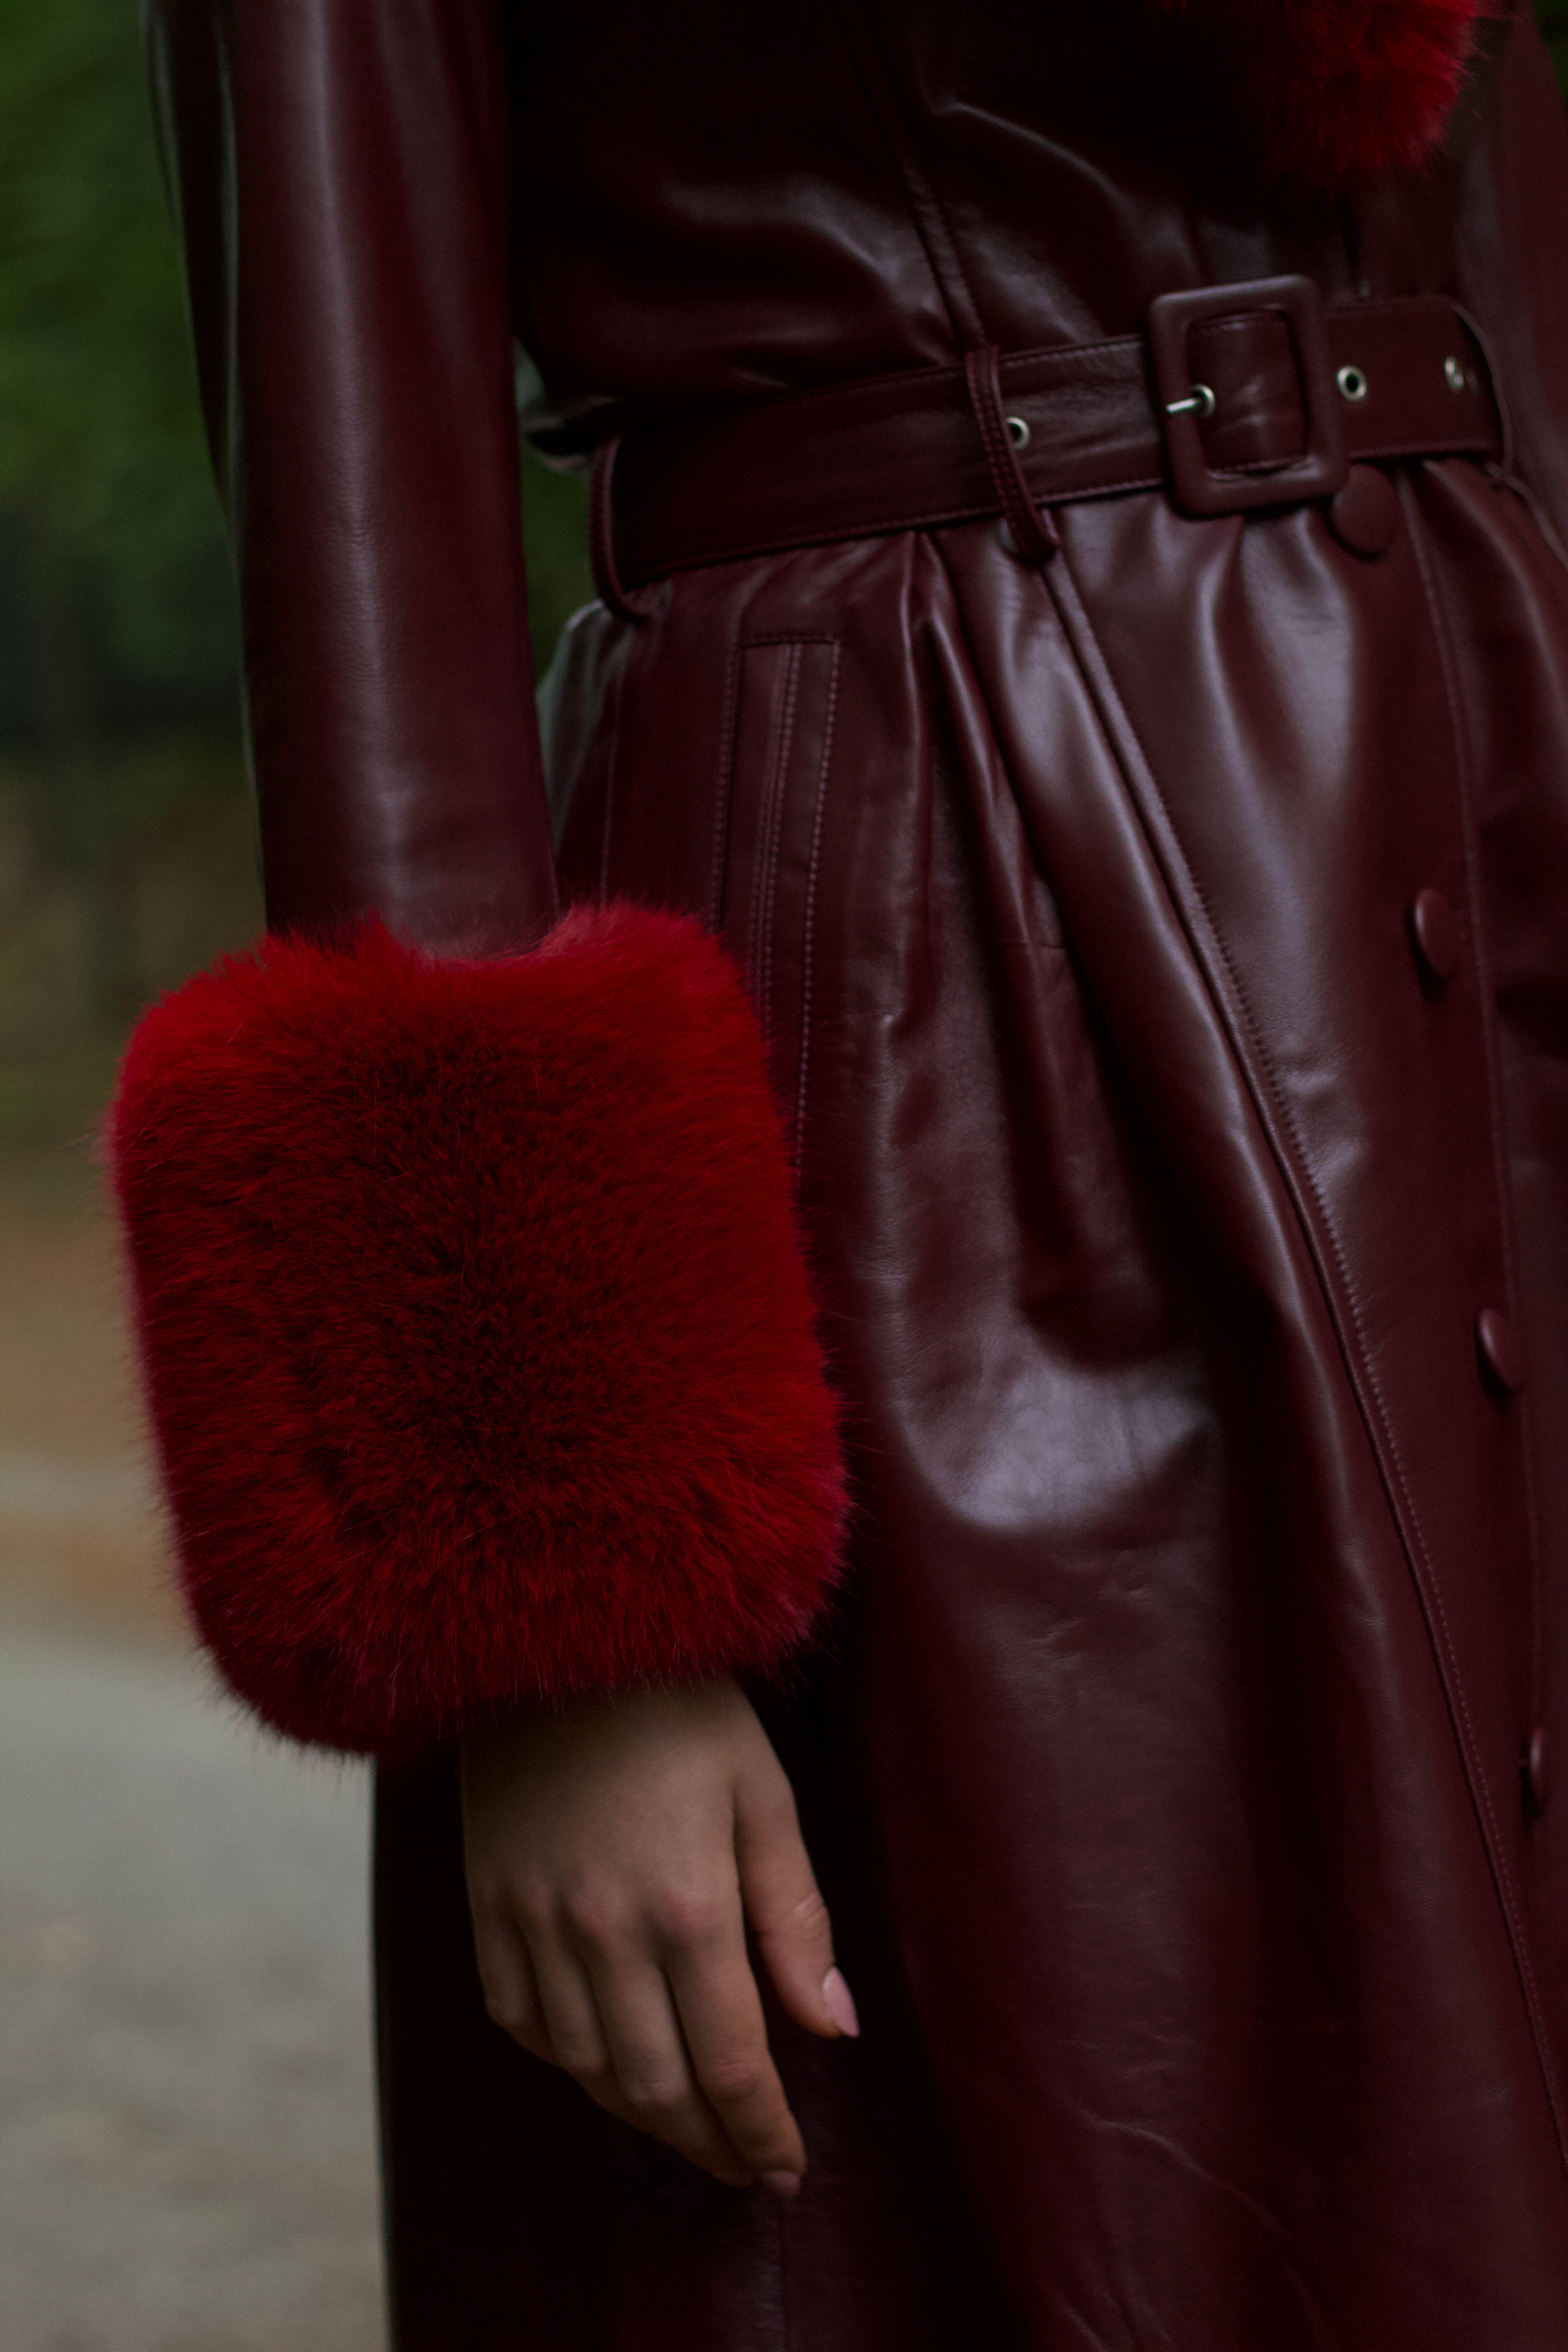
186 2119
186 2149
186 2134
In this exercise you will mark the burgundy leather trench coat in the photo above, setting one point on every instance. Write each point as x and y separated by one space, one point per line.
1176 1758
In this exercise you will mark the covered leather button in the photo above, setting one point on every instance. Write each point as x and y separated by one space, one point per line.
1537 1771
1502 1359
1434 929
1364 515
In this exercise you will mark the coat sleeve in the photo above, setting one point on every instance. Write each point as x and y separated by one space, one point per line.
339 177
474 1316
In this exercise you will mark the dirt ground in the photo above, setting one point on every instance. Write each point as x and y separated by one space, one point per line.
186 2152
81 1545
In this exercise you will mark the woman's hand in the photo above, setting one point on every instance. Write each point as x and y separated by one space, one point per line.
615 1850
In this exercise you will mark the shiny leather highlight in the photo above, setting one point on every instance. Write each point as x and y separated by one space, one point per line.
1501 1358
1162 1768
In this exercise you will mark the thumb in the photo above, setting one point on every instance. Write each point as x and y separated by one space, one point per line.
787 1914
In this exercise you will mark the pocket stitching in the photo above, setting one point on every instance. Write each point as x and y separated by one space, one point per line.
808 923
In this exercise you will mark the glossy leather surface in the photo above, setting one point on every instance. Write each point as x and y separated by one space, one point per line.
902 451
339 175
1167 1763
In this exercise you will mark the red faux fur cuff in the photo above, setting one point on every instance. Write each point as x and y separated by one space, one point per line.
1339 90
475 1324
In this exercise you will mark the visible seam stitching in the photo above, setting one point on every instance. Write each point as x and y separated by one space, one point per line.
1099 677
930 223
1032 531
925 373
788 637
1460 728
725 788
808 924
760 949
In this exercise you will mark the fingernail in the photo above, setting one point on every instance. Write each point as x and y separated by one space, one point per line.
783 2184
839 2003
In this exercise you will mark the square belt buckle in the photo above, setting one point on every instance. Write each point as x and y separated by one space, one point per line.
1324 466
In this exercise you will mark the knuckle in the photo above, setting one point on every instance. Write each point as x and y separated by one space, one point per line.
688 1916
803 1921
579 2055
653 2097
810 1914
534 1906
735 2080
597 1914
763 2151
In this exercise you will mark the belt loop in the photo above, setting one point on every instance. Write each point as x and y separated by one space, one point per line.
1494 382
625 604
1034 534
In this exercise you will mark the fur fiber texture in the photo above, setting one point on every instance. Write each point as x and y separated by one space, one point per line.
476 1323
1336 92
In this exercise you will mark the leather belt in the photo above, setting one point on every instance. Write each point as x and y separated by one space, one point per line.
1238 396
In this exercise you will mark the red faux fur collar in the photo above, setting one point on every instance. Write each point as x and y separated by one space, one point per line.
1339 90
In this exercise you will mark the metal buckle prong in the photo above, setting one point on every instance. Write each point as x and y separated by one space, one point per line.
1200 403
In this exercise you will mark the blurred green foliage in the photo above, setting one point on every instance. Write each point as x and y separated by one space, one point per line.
1553 16
110 546
109 551
124 835
555 534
